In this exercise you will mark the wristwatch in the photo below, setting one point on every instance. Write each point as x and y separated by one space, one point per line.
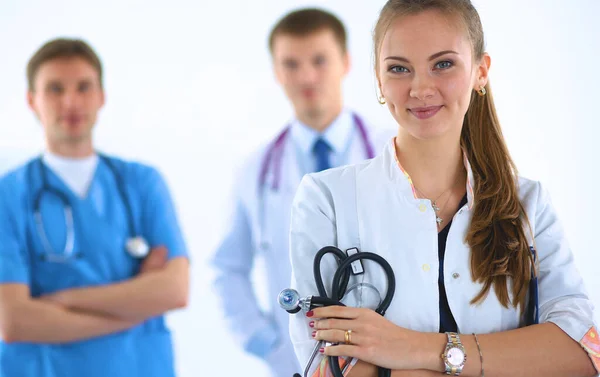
454 355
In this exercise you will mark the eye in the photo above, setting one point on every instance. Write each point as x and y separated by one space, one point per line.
55 88
444 64
290 64
319 60
84 87
398 69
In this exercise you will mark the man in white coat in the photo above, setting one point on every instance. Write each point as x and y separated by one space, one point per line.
310 60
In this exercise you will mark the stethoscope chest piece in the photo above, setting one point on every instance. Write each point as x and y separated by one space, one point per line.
137 247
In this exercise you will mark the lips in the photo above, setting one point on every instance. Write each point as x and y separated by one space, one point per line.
309 93
425 112
72 119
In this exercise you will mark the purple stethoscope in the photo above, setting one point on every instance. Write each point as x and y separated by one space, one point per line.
273 158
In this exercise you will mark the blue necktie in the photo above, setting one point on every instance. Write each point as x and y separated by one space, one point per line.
321 151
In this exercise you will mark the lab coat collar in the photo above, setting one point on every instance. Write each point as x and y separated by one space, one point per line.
337 134
399 175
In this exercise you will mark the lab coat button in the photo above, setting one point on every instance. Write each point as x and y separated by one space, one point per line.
456 275
426 267
422 207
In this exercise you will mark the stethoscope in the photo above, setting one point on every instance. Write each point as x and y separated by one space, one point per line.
291 301
348 263
136 245
272 162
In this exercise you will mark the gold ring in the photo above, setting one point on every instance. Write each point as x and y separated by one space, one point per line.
348 336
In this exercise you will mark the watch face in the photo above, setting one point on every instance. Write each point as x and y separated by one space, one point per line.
456 356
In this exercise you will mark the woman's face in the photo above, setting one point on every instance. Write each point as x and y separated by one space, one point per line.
426 73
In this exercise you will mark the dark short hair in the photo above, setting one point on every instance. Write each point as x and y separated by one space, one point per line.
306 21
61 48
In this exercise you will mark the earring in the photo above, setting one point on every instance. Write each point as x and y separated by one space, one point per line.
482 92
381 100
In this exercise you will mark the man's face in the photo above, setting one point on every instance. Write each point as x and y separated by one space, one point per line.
311 69
66 98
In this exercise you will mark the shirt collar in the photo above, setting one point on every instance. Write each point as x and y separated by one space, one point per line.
337 134
61 162
398 174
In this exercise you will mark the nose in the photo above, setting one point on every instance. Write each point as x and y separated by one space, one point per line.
307 74
71 100
423 87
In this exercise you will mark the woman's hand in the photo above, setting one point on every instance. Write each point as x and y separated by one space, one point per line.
373 338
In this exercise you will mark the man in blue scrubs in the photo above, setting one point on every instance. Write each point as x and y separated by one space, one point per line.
76 298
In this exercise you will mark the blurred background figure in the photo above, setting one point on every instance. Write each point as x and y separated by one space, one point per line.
310 60
91 252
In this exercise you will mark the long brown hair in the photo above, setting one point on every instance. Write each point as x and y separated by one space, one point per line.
500 252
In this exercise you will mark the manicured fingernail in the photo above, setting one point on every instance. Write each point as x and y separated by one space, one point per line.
322 350
310 313
311 324
314 333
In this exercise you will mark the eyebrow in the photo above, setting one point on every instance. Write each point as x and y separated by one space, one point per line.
432 57
85 80
53 83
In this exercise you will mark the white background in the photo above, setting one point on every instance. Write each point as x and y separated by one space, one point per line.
190 90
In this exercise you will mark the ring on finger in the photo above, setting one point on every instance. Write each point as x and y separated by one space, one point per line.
348 337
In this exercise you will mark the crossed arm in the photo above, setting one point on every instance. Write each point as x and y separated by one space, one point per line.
83 313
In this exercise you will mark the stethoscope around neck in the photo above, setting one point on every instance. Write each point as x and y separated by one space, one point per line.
136 245
272 163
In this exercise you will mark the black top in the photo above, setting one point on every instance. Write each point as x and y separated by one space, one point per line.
447 321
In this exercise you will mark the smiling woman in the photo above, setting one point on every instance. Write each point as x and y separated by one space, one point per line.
480 257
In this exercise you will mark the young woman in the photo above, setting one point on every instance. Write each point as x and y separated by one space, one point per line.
444 206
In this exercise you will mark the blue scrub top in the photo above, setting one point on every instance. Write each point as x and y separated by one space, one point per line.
101 230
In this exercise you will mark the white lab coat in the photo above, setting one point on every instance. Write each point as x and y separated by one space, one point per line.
245 240
393 223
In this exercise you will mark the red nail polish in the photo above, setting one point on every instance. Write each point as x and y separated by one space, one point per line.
322 350
314 333
310 313
311 324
